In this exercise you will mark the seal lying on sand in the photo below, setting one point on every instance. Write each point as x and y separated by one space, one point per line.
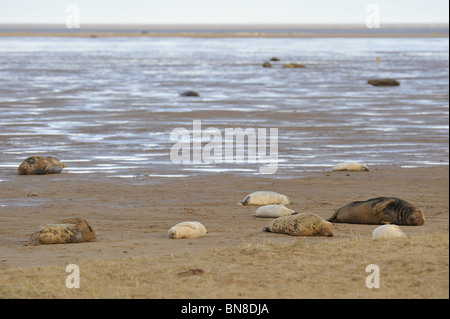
69 230
274 211
265 198
380 210
350 166
187 230
302 224
40 165
388 232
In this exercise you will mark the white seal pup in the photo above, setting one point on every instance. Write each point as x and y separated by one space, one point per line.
302 224
187 230
351 166
388 232
274 211
262 198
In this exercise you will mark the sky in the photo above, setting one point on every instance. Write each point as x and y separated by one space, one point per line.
224 11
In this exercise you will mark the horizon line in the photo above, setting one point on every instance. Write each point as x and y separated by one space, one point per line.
279 24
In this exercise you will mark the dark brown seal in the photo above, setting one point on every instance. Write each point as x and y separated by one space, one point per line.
384 82
190 93
380 210
40 165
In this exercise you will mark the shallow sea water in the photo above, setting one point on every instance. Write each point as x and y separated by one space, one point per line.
109 105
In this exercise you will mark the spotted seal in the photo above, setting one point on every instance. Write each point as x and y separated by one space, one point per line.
379 210
302 224
69 230
40 165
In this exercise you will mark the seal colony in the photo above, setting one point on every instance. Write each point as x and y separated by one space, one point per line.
40 165
380 210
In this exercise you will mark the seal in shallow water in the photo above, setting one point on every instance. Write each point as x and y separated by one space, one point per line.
190 93
302 224
40 165
69 230
383 82
380 210
294 65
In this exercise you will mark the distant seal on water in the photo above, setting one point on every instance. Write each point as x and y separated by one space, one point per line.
383 82
388 232
302 224
69 230
294 65
262 198
350 166
40 165
187 230
190 93
380 210
267 65
274 211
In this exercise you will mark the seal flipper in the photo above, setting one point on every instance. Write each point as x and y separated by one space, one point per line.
41 168
334 216
379 207
244 201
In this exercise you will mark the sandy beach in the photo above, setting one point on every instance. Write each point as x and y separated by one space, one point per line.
131 218
132 221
